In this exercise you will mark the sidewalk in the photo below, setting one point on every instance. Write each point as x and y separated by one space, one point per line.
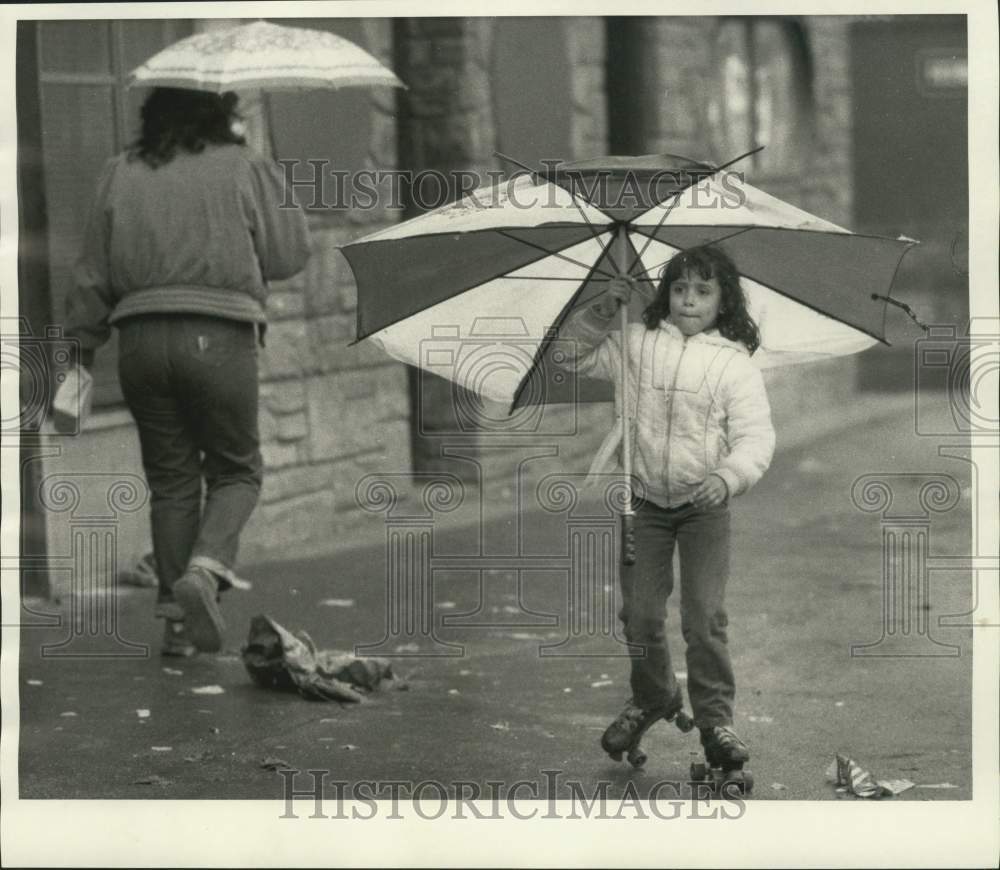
486 698
793 435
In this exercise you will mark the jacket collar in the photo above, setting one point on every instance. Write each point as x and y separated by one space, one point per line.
710 336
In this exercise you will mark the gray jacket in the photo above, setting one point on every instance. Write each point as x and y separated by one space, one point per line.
202 234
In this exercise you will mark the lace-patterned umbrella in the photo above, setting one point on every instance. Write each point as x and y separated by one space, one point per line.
262 55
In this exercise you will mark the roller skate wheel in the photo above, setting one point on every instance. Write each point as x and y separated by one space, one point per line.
637 758
684 722
616 756
736 783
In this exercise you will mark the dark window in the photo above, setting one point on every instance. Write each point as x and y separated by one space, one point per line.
762 93
533 101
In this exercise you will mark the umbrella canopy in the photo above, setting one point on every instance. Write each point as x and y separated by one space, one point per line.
262 55
476 291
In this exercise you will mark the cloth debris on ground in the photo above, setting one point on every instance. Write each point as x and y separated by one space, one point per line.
272 763
277 659
849 776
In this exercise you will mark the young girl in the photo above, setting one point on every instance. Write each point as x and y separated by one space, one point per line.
702 434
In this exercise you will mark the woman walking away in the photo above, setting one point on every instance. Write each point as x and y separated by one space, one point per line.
703 435
187 228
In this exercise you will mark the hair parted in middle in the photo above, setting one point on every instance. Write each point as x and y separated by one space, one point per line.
734 321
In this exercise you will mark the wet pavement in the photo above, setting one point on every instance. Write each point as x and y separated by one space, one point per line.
502 676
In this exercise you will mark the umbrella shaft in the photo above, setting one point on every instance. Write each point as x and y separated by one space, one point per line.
619 254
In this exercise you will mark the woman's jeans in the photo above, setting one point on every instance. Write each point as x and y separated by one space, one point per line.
702 537
191 385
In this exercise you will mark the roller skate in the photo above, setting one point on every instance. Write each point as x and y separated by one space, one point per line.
722 769
625 733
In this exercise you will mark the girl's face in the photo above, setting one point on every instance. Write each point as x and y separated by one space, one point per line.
694 302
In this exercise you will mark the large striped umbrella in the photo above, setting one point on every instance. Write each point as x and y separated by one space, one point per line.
262 55
477 291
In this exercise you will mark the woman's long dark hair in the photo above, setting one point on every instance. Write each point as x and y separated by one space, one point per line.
177 119
734 321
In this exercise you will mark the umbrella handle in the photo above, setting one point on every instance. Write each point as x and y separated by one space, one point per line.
628 537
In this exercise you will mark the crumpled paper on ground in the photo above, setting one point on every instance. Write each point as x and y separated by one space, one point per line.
847 773
277 659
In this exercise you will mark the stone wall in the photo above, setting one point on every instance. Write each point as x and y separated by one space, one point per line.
329 413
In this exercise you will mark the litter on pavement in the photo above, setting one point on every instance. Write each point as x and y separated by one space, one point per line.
208 690
337 602
849 776
277 659
272 763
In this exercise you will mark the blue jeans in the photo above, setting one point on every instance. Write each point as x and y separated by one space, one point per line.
703 539
191 385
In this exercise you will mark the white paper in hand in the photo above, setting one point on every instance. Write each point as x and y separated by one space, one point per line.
73 400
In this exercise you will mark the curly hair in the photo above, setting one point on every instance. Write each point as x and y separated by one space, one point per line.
734 321
176 119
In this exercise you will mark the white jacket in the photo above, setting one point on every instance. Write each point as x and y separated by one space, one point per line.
698 406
